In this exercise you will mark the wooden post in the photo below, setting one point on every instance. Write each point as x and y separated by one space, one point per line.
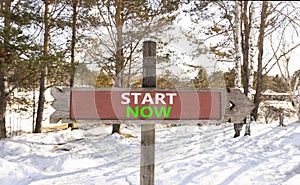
148 130
281 117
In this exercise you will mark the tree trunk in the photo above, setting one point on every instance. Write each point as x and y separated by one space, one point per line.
33 108
238 57
245 48
296 101
4 60
260 46
3 101
251 63
73 44
73 41
291 89
119 53
237 129
251 47
237 45
41 102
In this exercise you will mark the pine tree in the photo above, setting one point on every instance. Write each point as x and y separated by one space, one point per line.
16 50
43 73
5 60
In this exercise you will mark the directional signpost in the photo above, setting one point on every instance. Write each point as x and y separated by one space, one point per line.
215 105
149 103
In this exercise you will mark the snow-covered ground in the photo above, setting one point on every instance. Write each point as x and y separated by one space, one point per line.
19 116
184 155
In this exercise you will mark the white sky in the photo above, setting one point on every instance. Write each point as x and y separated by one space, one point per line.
294 64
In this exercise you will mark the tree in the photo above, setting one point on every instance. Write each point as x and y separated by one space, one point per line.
103 80
43 73
201 80
291 82
16 49
281 24
296 80
125 23
238 20
237 44
229 78
234 24
5 60
73 40
216 80
250 61
263 21
53 67
278 84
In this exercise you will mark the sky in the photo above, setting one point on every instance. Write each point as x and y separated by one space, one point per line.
294 63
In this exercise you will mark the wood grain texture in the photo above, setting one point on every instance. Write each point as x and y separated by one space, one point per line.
242 106
61 104
207 105
148 130
101 104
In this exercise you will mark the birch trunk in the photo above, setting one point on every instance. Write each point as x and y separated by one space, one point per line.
237 45
238 57
291 89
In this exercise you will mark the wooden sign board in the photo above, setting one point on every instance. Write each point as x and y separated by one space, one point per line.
144 104
216 105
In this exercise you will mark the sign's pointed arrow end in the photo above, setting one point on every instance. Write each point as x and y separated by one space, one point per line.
239 106
231 105
61 104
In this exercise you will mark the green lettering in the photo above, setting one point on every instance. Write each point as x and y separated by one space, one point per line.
161 111
130 110
142 112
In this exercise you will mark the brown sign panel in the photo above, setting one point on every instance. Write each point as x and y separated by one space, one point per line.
146 104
